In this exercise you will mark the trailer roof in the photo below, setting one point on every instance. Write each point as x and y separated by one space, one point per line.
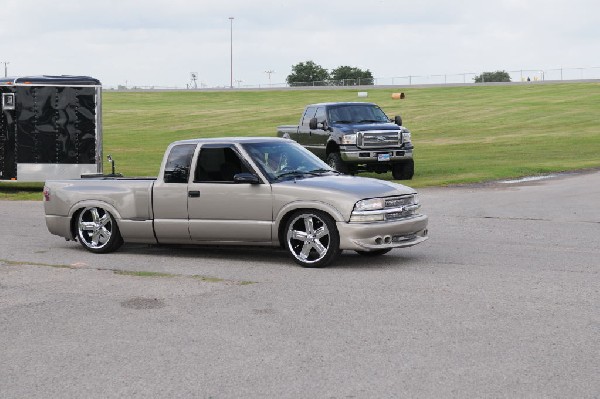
62 80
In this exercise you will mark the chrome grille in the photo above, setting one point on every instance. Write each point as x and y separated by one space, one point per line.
400 207
378 138
396 202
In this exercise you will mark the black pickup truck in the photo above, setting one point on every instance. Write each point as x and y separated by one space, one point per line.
354 137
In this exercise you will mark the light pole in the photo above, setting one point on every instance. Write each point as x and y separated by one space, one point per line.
5 68
269 72
231 50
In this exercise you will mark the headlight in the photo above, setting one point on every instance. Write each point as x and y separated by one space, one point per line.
373 204
348 139
406 137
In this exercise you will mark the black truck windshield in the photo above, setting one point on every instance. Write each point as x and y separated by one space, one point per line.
356 113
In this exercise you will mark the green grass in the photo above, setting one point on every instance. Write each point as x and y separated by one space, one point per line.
461 134
21 191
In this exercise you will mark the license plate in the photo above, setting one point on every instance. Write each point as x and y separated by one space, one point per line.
383 157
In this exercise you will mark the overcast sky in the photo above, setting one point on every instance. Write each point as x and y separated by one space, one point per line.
159 42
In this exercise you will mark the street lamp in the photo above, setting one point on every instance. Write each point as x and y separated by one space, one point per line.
231 50
5 68
269 72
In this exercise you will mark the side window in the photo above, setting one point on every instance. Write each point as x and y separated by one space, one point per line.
177 168
320 115
308 115
218 165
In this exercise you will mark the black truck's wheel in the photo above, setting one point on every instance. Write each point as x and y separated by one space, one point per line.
97 230
312 238
404 170
335 161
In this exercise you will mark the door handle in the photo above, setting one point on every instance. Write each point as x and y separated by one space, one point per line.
194 194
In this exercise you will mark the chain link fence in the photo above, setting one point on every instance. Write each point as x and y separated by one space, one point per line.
522 75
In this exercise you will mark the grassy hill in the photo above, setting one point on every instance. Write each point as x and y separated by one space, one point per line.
461 134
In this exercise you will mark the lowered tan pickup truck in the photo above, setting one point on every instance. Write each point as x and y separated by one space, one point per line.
239 191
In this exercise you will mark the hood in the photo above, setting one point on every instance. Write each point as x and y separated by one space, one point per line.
351 187
355 127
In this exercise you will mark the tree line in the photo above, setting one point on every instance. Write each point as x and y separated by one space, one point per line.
310 73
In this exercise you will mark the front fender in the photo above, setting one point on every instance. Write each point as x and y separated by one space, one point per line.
281 215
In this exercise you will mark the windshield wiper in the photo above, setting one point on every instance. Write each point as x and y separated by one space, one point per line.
294 173
318 172
303 173
342 121
369 121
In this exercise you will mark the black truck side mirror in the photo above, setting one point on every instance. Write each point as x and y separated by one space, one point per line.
398 120
313 124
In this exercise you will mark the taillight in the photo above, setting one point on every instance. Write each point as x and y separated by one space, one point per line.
46 194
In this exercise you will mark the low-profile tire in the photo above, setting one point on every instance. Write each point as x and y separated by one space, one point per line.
377 252
311 238
404 170
97 230
335 161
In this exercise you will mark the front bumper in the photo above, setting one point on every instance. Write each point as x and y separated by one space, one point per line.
357 156
380 235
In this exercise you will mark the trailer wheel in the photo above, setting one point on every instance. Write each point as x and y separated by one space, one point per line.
97 230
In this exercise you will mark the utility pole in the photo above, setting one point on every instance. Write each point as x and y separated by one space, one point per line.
269 72
5 68
231 50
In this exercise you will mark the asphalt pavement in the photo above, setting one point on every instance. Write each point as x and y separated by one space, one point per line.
502 301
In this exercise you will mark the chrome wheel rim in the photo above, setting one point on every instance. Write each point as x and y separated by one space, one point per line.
308 238
95 227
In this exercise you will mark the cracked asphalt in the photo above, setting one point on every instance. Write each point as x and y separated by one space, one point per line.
502 301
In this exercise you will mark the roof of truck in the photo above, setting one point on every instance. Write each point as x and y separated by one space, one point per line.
231 140
340 103
48 80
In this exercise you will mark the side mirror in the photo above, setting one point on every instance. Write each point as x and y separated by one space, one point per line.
313 124
247 178
398 120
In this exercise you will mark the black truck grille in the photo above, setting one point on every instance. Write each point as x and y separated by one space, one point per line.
378 138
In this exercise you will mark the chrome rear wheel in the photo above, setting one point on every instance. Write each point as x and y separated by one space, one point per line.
97 230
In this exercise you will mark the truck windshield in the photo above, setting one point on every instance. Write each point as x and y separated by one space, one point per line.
283 160
356 113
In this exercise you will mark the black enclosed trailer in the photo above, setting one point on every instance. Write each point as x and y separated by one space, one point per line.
50 127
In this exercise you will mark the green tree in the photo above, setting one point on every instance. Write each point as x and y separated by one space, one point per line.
498 76
307 74
351 76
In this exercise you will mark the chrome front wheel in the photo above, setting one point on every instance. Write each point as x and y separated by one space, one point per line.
312 238
97 230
